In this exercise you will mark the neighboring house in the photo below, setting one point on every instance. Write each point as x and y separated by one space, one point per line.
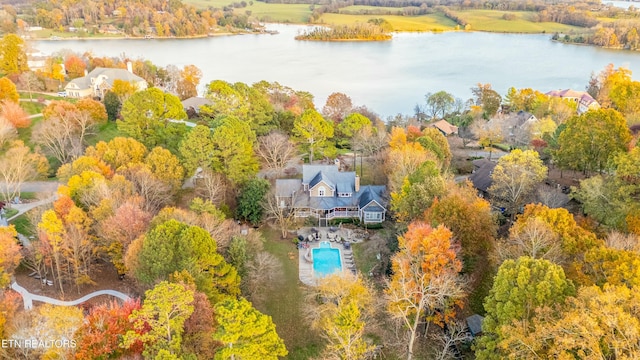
327 193
519 127
100 80
583 99
445 127
195 103
481 177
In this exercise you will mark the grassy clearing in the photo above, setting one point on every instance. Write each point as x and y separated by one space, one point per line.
203 4
105 133
431 22
32 108
24 134
282 13
25 195
353 8
23 225
493 21
49 33
283 301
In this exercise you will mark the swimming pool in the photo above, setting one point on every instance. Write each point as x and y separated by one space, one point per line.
326 260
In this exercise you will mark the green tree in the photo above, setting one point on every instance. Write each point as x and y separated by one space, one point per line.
418 191
591 141
13 58
346 305
348 128
251 198
196 149
166 167
175 246
515 177
519 288
8 90
226 101
112 105
246 333
313 130
159 324
147 116
488 98
233 152
439 104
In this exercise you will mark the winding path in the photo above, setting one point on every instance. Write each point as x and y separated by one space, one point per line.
29 298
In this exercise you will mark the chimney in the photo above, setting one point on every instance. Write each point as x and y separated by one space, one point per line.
357 183
130 66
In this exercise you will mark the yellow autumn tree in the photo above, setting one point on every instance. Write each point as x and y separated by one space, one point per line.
346 306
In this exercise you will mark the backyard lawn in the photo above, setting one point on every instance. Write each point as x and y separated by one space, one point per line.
283 301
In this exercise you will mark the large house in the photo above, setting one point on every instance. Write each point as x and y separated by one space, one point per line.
327 193
585 101
100 80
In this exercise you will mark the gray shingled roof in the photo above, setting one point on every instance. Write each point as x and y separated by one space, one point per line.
481 177
342 179
321 177
110 74
371 193
474 322
195 102
285 187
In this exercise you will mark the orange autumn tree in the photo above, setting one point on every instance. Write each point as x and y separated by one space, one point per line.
425 279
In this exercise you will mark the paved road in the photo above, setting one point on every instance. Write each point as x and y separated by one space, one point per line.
37 186
23 208
28 298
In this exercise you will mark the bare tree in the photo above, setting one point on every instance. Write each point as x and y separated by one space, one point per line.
280 211
30 82
17 165
621 241
212 186
263 271
63 135
553 198
535 238
369 140
156 193
454 334
276 150
7 131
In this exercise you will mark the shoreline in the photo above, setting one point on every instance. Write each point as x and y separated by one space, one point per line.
146 38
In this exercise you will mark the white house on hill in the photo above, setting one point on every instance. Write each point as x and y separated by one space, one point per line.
100 80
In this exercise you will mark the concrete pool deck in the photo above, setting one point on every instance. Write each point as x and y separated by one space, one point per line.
306 272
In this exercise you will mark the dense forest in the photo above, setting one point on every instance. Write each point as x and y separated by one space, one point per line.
134 18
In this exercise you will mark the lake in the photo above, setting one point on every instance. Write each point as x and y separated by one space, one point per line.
388 77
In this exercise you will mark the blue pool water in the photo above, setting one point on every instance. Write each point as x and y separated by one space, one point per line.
326 260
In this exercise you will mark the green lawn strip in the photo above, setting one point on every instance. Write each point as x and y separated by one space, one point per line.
24 134
10 212
282 13
493 21
26 195
32 107
203 4
284 301
23 225
355 8
431 22
365 261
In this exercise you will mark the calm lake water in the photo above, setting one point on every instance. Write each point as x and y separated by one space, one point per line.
389 77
